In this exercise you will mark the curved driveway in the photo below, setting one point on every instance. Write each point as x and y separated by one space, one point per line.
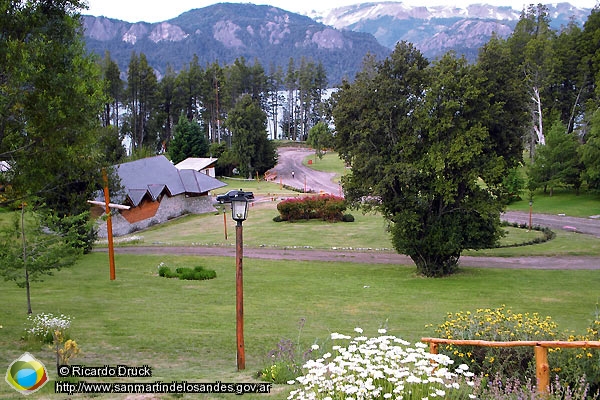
290 160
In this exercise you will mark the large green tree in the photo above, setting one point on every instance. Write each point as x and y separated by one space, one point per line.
142 98
556 164
532 45
590 153
416 138
251 148
189 141
50 100
319 138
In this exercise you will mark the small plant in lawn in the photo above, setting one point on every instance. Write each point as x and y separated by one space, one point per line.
286 359
196 274
53 330
199 273
42 327
65 350
381 367
348 218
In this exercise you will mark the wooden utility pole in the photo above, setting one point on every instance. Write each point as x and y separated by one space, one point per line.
111 249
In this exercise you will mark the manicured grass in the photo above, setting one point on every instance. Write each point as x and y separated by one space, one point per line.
367 232
185 330
260 230
561 202
564 244
329 163
259 187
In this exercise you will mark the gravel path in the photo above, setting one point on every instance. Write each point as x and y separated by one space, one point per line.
366 257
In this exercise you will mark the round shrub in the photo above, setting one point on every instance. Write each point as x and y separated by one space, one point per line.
348 218
163 270
201 274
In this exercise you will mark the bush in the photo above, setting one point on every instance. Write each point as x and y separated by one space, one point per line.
573 364
285 361
163 270
513 184
199 273
348 218
498 324
325 207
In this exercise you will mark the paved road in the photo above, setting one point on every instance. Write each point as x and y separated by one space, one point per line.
590 226
290 160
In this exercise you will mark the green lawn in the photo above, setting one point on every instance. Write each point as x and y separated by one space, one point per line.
259 187
369 231
329 163
561 202
185 330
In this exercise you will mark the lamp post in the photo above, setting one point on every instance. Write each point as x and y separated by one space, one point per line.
239 212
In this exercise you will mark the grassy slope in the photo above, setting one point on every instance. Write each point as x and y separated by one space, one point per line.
186 330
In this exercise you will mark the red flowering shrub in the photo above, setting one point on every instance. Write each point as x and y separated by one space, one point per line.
325 207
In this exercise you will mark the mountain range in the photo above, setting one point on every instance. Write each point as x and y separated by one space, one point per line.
435 30
339 38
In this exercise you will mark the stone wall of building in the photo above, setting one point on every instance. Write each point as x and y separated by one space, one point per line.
169 208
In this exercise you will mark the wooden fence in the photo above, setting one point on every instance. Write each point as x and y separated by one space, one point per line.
542 368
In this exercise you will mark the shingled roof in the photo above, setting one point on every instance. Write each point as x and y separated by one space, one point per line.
155 175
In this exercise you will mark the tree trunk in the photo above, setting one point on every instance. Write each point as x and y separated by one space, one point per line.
538 128
431 265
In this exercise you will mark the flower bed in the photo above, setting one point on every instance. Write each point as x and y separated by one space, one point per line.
382 367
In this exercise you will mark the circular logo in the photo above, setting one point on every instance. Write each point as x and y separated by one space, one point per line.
26 374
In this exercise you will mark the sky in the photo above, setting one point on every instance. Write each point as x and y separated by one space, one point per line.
162 10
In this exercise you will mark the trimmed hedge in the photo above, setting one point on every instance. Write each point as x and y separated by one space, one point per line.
548 234
325 207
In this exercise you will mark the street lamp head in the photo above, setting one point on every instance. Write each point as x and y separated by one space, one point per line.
239 208
530 203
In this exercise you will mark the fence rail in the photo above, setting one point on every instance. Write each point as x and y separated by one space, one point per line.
542 368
